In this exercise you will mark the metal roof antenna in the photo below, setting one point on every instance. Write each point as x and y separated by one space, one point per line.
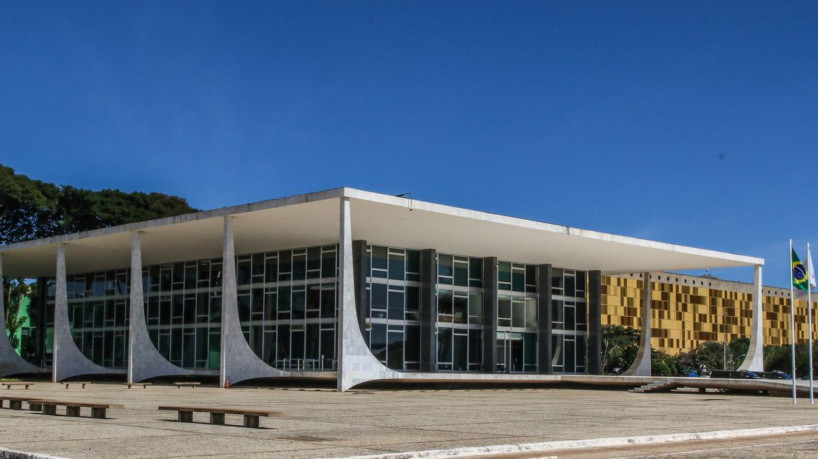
408 195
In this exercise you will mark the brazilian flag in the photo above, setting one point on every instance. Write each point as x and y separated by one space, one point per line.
800 279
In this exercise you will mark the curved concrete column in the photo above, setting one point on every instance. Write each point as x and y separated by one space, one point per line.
356 364
144 360
238 361
10 361
754 360
69 361
641 365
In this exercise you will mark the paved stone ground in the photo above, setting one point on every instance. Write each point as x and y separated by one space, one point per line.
325 423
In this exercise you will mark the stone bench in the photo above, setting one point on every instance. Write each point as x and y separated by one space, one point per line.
72 408
16 403
143 384
187 384
217 414
9 384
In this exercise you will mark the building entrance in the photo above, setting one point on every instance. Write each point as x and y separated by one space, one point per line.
510 352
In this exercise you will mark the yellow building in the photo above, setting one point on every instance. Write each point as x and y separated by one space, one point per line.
688 310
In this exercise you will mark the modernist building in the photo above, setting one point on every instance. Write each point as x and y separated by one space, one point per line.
341 284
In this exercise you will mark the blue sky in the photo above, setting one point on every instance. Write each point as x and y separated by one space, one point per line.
692 123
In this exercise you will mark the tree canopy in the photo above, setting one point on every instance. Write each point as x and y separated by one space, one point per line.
32 209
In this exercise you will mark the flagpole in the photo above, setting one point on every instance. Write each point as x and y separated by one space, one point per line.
809 319
792 325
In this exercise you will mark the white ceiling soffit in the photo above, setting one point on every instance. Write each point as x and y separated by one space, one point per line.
314 222
401 222
313 219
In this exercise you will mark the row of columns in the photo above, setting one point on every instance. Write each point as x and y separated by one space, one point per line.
238 361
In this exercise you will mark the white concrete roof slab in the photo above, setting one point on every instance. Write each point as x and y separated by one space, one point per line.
313 219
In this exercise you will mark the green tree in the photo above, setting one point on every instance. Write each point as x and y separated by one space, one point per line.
662 364
14 291
31 209
737 351
27 207
707 357
619 348
778 358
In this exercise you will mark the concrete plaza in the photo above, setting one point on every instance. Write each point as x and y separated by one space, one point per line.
326 423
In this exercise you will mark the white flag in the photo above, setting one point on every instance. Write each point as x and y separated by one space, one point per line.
811 270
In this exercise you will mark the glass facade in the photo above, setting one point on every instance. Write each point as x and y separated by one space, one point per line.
569 318
287 303
288 306
392 310
183 311
459 324
392 325
516 318
98 314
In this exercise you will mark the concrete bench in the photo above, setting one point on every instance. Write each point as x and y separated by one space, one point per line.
10 384
72 408
75 383
143 384
16 403
217 414
187 384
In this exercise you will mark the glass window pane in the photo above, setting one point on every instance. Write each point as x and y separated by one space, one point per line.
569 286
530 348
379 257
580 340
556 347
475 346
328 264
377 341
413 261
460 353
570 358
327 303
412 343
504 308
396 267
378 296
475 306
299 266
314 258
395 351
461 274
504 272
396 305
444 302
412 298
581 314
444 265
444 345
476 268
557 316
518 314
327 348
271 270
570 324
531 312
461 309
518 280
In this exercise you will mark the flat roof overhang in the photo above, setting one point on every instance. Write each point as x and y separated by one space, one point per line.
313 219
